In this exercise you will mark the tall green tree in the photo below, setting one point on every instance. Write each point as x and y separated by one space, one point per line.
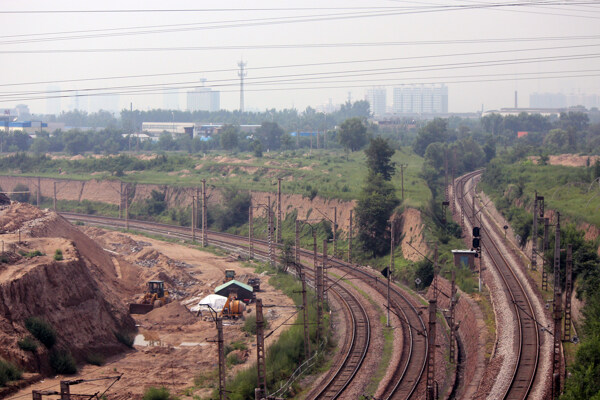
352 134
375 206
379 157
434 131
229 137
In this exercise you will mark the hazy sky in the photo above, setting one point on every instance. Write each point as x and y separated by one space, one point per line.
533 46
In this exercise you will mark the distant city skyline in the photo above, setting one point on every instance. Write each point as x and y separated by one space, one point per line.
297 54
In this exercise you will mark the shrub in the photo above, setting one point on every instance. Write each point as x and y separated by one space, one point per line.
58 255
41 330
127 338
62 362
31 254
95 359
250 325
237 345
234 359
28 343
8 372
153 393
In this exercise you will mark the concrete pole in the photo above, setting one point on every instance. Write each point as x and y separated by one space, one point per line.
323 277
120 200
557 315
335 231
534 234
127 206
270 231
389 274
65 390
250 233
305 315
452 317
350 239
279 213
193 219
204 233
297 243
430 394
39 191
568 292
222 370
260 350
545 245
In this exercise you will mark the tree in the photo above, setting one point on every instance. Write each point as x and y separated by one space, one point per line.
379 155
40 145
229 137
21 197
373 210
270 134
434 131
257 148
76 142
353 134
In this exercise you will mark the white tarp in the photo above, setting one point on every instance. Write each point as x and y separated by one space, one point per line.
215 301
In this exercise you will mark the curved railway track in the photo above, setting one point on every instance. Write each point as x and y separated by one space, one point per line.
408 372
527 340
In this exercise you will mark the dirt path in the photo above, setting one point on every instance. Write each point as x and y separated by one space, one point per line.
173 345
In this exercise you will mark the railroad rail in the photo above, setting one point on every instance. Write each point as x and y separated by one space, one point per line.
528 337
408 372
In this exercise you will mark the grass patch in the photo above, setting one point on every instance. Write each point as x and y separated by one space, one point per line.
250 325
237 345
8 372
31 254
388 349
234 359
58 255
28 343
485 305
95 359
41 330
154 393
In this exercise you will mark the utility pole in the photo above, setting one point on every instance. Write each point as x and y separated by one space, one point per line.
324 274
121 200
54 198
242 74
452 316
270 231
535 234
222 370
261 367
204 233
297 243
39 185
545 245
389 273
193 219
431 389
350 239
335 231
568 292
198 214
278 233
557 314
250 233
319 284
304 311
127 206
402 166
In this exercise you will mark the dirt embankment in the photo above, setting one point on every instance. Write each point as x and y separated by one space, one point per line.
569 160
110 192
411 227
76 295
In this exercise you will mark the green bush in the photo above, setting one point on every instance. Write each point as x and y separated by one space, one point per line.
31 254
95 359
250 325
127 338
28 343
237 345
58 255
234 359
62 362
8 372
41 330
153 393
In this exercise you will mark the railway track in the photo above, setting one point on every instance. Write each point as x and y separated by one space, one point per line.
527 340
408 372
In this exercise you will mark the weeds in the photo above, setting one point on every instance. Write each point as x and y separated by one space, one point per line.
62 362
58 255
28 343
154 393
95 359
8 372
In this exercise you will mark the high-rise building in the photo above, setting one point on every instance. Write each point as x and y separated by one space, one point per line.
170 99
560 100
377 99
203 99
421 99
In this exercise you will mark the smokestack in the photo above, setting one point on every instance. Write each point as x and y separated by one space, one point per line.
516 102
